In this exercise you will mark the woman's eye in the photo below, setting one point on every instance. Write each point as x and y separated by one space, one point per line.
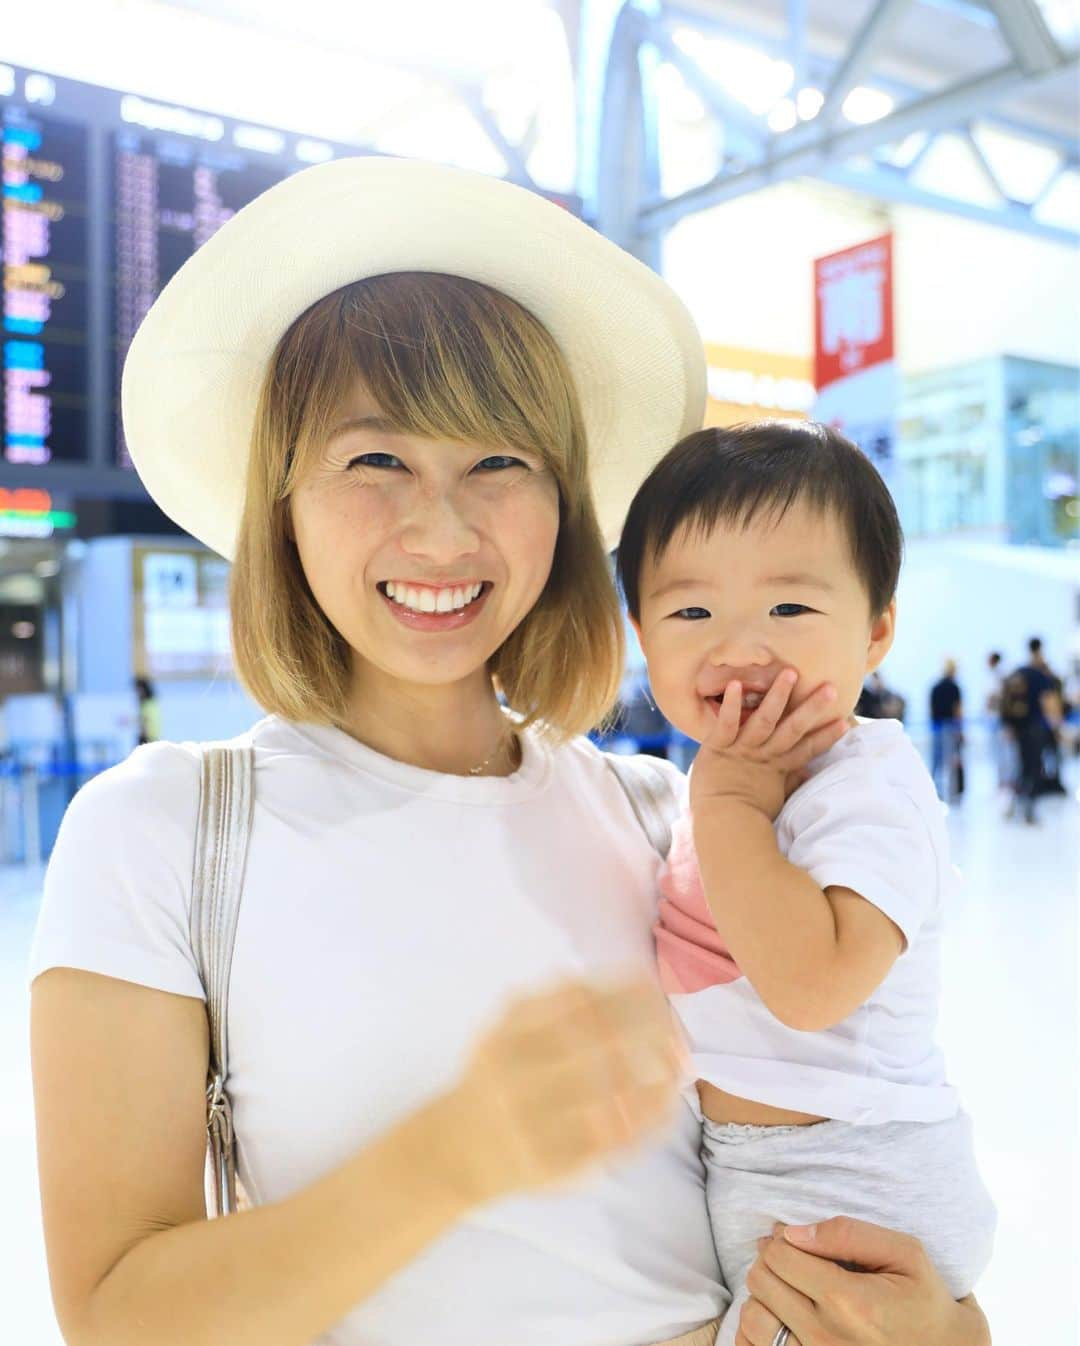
692 614
376 460
789 610
498 462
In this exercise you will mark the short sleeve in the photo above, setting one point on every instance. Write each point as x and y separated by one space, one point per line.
118 884
677 780
875 842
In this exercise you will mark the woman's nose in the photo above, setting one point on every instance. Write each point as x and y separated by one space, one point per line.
438 529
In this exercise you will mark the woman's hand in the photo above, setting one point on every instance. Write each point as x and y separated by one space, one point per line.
894 1298
563 1080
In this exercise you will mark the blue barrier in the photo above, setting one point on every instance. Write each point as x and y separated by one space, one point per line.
35 797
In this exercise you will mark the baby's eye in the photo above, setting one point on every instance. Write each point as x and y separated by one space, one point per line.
789 610
376 460
498 462
692 614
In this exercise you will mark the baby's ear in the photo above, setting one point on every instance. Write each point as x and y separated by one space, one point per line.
882 634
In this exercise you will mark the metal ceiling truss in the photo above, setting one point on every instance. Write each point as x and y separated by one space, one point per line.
629 156
819 68
1030 40
824 148
515 156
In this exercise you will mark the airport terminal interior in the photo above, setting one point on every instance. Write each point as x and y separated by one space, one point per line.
870 210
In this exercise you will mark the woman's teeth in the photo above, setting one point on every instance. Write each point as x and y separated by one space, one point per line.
432 600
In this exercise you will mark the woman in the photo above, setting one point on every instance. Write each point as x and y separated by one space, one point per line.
453 1082
149 711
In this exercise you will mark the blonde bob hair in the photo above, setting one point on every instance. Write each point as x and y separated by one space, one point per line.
444 358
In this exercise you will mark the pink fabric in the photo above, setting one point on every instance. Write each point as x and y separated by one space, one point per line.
690 953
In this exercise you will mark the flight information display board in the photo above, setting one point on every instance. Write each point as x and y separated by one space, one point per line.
43 246
169 197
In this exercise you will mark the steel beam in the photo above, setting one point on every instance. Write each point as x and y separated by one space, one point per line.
861 55
569 11
987 168
627 169
1028 35
1055 177
893 186
797 29
727 110
797 156
515 160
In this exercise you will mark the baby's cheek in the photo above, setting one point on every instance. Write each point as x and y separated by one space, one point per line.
678 701
660 682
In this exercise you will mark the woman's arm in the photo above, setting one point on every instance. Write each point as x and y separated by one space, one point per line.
894 1297
119 1075
119 1079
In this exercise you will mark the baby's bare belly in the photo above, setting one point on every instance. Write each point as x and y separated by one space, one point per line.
719 1106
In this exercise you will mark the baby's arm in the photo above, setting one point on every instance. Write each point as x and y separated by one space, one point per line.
813 954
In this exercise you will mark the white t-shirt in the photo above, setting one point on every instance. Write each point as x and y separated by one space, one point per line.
388 915
869 820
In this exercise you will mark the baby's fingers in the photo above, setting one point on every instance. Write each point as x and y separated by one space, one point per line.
725 729
813 745
759 728
818 709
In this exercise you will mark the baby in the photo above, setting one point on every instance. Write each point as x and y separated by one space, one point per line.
800 922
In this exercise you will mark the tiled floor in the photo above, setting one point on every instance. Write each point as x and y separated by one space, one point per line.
1010 1030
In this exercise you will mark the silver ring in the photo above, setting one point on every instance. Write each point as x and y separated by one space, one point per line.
782 1335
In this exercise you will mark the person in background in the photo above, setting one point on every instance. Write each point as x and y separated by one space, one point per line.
1030 705
946 720
1050 767
149 711
893 705
1070 727
879 702
997 680
868 706
1002 747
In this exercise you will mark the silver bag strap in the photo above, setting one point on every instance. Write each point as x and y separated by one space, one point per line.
226 798
652 797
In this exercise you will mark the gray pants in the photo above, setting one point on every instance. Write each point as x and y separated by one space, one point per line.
919 1178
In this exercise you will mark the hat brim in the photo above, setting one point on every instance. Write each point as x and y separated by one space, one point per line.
194 370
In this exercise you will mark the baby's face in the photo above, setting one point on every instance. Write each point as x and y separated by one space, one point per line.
746 604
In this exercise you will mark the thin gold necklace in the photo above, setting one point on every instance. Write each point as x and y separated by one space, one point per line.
510 741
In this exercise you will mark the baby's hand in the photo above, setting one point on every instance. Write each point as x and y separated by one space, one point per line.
761 762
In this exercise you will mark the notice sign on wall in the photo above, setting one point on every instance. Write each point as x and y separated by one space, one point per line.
750 385
854 363
181 613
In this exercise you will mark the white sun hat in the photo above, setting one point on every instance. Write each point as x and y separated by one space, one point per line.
195 367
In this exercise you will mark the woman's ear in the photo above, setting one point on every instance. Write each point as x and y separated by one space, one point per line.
882 634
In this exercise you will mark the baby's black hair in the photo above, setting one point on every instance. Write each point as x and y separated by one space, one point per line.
734 475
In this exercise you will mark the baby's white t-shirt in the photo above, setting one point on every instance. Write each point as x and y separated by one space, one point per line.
869 820
389 913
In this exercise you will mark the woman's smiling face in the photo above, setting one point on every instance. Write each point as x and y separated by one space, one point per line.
424 554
